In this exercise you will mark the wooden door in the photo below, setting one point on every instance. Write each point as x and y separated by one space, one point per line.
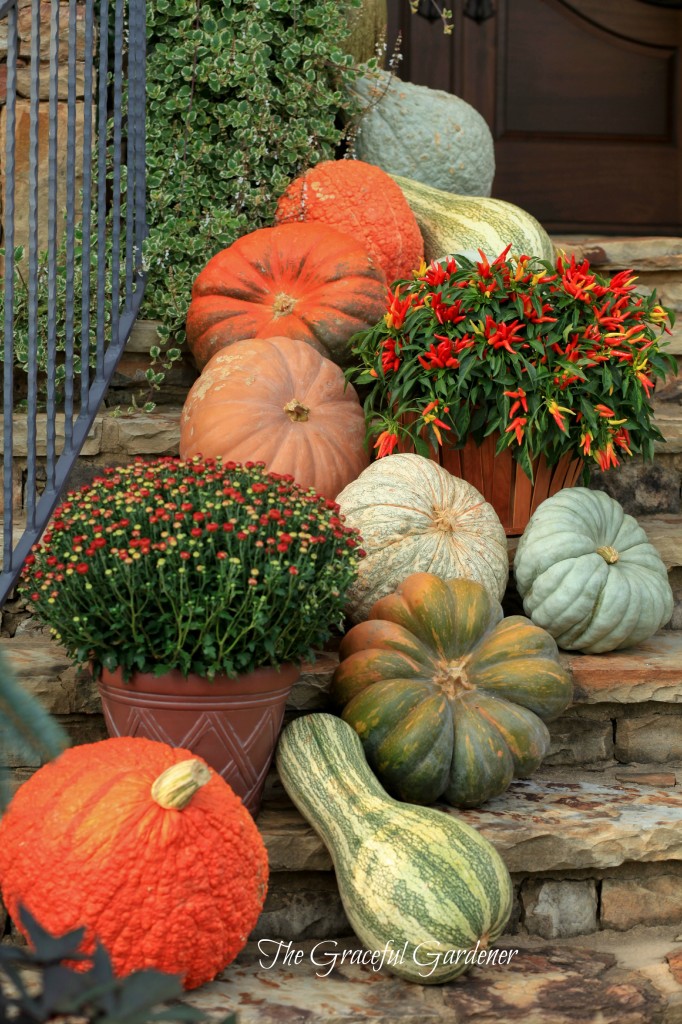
584 99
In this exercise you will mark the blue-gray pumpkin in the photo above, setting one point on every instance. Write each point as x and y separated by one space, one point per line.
588 574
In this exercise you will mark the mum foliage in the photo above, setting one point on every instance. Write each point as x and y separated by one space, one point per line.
557 359
197 565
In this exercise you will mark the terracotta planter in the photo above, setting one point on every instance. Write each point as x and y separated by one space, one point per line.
503 483
232 723
501 480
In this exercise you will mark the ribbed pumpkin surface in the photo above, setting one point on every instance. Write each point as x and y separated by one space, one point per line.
405 874
365 203
280 402
84 844
448 698
414 516
301 281
453 224
588 574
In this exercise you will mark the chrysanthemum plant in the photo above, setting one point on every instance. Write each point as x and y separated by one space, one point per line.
202 566
553 359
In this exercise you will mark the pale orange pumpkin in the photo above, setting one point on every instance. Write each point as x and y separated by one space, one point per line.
277 401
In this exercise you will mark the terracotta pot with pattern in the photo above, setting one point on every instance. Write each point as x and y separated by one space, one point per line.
233 724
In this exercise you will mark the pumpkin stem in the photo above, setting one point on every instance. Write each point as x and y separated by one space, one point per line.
296 411
175 787
445 519
283 305
609 554
453 678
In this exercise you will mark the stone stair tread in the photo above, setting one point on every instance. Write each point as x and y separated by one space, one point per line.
624 252
650 671
605 979
555 821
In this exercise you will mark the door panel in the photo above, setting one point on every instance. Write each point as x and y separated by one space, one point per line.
583 98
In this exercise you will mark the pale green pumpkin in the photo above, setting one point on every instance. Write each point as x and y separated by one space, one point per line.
588 574
453 224
424 134
410 878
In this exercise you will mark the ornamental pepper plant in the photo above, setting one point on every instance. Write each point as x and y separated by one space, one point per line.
555 359
197 565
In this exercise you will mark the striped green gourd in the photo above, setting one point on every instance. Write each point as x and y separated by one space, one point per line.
453 224
412 879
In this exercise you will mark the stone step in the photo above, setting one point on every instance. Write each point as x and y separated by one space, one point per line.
605 979
651 671
613 253
627 704
586 851
113 434
558 820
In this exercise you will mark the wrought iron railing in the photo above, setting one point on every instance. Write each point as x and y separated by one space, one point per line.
73 223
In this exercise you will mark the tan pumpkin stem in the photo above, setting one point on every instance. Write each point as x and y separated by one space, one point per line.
609 554
283 305
175 787
453 679
296 411
444 519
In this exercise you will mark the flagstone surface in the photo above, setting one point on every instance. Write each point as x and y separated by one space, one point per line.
543 984
547 823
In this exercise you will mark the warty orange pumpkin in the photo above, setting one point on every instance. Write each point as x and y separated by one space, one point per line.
144 846
300 281
280 402
362 201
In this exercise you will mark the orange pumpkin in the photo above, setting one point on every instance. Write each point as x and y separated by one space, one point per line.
296 281
145 847
280 402
365 203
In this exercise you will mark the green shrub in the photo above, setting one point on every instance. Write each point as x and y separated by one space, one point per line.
243 96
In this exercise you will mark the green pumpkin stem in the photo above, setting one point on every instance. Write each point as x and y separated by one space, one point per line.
175 787
609 554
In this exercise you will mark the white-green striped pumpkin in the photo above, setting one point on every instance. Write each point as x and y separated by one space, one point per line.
414 516
453 224
410 878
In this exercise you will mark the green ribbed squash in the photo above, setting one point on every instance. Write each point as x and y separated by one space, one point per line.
410 878
453 224
448 698
588 574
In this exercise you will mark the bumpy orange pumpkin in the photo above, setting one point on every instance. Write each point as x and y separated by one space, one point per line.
362 201
151 852
280 402
298 281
